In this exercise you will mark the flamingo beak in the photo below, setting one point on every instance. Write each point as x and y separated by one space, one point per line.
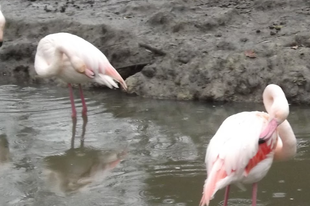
269 130
88 72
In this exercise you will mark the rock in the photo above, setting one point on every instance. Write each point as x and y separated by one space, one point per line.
149 71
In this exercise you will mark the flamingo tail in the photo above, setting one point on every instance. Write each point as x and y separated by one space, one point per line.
216 174
106 80
111 72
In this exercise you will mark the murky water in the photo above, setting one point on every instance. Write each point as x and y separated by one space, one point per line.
135 151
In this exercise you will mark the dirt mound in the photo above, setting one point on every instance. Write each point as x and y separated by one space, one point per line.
225 50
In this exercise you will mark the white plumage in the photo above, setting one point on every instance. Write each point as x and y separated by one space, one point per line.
74 60
243 148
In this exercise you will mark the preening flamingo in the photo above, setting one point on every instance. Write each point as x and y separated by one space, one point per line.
74 60
2 23
243 148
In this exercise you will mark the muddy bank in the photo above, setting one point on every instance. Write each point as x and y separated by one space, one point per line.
225 50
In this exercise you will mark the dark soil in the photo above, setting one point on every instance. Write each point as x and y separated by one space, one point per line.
226 50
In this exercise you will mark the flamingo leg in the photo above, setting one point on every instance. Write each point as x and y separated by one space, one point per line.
226 195
72 102
84 111
254 194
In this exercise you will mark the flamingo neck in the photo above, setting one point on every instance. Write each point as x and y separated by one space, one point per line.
54 67
277 107
286 145
276 103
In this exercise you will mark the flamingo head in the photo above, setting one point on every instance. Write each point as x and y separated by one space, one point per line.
78 65
81 69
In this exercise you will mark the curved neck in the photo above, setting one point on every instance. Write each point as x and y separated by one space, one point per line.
277 107
286 146
276 103
52 69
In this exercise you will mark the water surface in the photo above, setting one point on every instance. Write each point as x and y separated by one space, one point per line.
135 151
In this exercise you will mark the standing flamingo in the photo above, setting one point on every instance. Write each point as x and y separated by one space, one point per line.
243 148
2 23
74 60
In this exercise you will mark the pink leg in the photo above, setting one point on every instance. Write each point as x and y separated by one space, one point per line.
226 195
254 194
84 111
72 101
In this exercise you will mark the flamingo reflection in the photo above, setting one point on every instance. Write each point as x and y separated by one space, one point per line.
77 168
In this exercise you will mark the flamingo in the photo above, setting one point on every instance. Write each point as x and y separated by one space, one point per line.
2 23
74 60
245 145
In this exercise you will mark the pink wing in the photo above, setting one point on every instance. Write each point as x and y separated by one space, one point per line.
234 151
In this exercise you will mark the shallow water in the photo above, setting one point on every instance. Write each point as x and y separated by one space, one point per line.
135 151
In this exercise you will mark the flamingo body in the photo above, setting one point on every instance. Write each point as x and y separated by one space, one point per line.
46 54
243 148
73 46
233 147
74 60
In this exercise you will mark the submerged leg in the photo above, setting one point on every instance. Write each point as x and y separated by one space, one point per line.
72 101
84 111
74 120
226 195
85 120
254 194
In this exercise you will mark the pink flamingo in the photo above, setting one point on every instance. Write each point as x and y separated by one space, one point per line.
74 60
243 148
2 24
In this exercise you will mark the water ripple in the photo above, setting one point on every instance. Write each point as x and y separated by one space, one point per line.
165 140
183 169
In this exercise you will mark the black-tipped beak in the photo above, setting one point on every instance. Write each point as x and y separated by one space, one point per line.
1 43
